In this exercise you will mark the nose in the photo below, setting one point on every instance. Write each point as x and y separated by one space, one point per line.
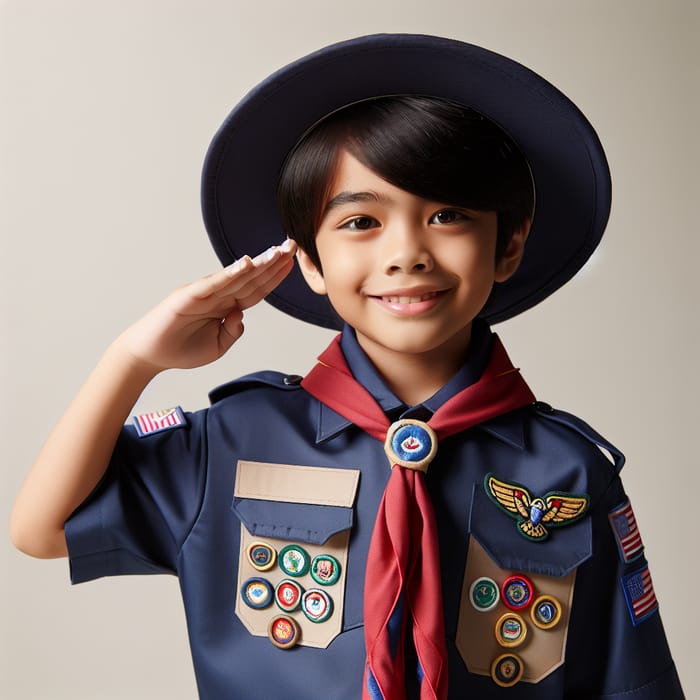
405 250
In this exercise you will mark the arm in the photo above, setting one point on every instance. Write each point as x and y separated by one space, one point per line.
192 327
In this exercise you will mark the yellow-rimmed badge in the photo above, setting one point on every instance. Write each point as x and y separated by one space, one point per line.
283 632
510 630
507 670
261 556
546 612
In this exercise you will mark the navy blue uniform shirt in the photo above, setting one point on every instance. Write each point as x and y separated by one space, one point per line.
269 494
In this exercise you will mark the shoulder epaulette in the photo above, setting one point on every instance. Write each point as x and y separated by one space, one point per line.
583 429
278 380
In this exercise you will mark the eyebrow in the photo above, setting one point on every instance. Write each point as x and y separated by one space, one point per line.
352 198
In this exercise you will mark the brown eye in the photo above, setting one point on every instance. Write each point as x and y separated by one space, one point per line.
446 216
361 223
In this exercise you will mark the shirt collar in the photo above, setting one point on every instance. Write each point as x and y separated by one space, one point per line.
331 423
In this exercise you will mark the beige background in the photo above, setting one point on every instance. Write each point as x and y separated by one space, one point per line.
106 110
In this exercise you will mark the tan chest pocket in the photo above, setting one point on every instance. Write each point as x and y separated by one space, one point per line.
295 530
516 596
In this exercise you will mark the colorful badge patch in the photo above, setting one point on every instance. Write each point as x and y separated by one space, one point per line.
158 421
261 556
288 595
257 593
294 560
283 632
511 630
517 592
317 605
639 594
325 569
546 612
627 535
410 443
484 594
507 670
554 509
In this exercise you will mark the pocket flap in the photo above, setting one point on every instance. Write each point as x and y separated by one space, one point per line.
293 502
563 551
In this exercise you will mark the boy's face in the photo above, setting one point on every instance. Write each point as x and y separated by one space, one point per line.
409 275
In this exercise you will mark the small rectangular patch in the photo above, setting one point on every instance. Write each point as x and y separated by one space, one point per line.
639 594
158 421
627 535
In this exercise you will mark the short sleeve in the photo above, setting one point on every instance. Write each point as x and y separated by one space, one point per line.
141 512
620 645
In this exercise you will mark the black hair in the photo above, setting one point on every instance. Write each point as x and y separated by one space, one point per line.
430 147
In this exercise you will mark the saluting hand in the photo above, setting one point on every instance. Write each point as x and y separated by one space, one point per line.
200 321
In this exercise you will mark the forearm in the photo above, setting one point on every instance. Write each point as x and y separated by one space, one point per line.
77 452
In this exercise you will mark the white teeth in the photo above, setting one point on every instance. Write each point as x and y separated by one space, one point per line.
409 300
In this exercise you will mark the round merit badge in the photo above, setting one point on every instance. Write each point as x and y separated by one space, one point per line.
317 605
283 632
484 594
294 560
257 593
507 670
288 594
511 630
325 569
546 612
261 556
517 592
410 443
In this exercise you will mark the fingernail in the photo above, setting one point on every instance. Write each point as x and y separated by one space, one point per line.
265 256
287 245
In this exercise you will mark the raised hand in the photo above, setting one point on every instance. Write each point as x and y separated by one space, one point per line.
200 321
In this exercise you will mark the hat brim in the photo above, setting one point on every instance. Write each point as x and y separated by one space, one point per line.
568 164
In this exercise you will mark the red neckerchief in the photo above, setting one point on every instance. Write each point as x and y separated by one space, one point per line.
403 559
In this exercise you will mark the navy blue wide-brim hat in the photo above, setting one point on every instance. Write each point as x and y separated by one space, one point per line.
568 165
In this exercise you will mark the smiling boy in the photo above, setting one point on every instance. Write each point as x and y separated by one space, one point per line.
495 553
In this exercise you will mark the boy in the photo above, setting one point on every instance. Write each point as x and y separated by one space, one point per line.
431 187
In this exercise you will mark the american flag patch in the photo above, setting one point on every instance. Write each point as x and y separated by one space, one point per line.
158 421
624 525
639 594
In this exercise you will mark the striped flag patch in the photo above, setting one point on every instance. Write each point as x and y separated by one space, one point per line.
627 535
158 421
639 594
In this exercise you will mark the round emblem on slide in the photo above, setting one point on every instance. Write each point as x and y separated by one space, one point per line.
410 443
325 569
288 594
317 605
283 632
294 560
257 593
261 556
511 630
517 592
484 594
507 670
546 612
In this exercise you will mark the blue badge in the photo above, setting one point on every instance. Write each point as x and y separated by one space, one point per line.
546 612
507 670
410 443
257 593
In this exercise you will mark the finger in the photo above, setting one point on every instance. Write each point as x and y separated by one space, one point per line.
265 286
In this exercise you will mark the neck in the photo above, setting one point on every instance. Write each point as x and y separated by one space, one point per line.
416 376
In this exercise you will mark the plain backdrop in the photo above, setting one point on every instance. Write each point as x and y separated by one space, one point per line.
106 111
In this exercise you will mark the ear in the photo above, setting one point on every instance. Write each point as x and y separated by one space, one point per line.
311 273
510 260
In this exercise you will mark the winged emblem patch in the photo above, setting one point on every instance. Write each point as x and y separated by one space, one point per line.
535 515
